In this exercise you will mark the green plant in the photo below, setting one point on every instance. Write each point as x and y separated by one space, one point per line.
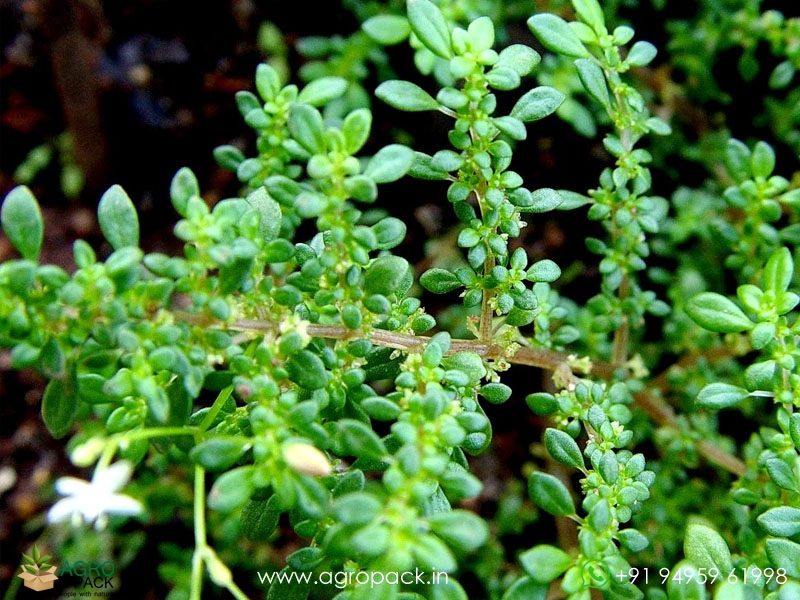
294 369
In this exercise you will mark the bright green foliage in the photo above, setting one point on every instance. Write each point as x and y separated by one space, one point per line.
284 357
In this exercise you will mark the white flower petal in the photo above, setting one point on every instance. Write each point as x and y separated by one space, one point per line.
71 486
87 502
121 504
91 509
63 510
114 477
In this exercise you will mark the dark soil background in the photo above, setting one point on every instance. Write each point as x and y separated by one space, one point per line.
146 87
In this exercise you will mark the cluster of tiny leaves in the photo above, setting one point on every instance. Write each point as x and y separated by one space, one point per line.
255 356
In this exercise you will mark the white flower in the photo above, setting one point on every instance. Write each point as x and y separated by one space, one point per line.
94 501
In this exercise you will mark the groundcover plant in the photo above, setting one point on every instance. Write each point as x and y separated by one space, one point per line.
280 394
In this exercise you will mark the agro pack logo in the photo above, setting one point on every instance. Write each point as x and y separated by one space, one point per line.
37 572
92 574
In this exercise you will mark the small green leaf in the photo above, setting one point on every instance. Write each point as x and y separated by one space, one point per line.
633 540
526 588
458 483
354 438
184 186
307 128
716 396
268 82
228 157
481 34
118 219
641 54
495 392
429 25
323 90
422 168
431 553
52 361
361 188
762 334
784 554
778 271
469 362
390 163
422 324
387 29
658 126
717 313
543 271
356 128
387 275
543 200
781 521
259 519
503 78
232 489
563 448
389 232
305 559
794 429
545 563
762 161
247 102
550 494
287 586
218 454
307 370
513 128
737 160
685 584
589 12
556 35
59 407
407 96
22 221
439 281
781 474
571 200
542 403
599 517
593 79
782 75
358 508
381 409
537 104
269 213
156 397
277 251
706 548
460 529
523 59
444 589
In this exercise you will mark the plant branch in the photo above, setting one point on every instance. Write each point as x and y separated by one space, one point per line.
199 532
655 407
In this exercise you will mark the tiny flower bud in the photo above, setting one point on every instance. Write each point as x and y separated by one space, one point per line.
217 570
306 459
85 454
